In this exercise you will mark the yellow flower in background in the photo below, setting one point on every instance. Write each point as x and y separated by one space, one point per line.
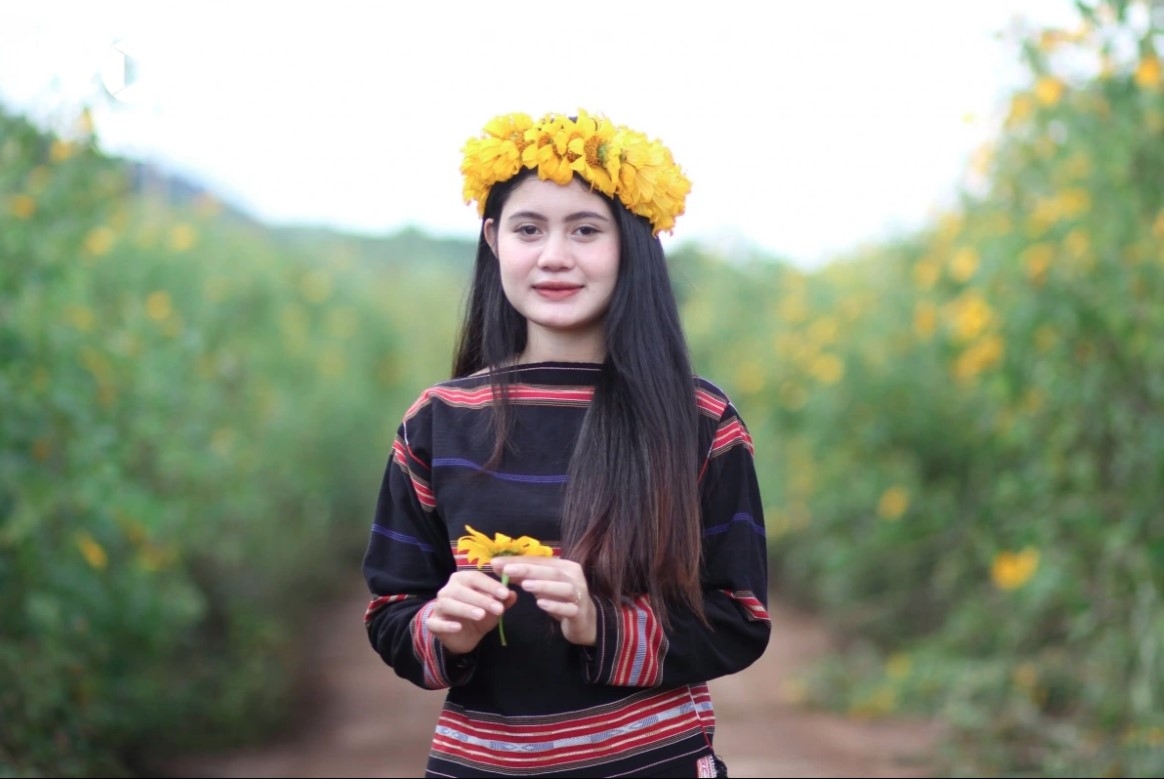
964 264
1077 243
92 551
481 549
1148 75
22 206
750 376
61 150
893 503
1051 39
926 273
972 315
1037 259
828 368
1074 202
925 319
823 330
182 237
981 355
80 317
792 308
1049 90
1022 106
99 241
158 306
1012 570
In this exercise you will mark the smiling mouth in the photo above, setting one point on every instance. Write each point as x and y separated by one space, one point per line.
556 291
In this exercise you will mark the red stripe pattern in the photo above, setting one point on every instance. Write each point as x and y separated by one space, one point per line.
409 462
429 650
378 603
731 433
639 645
521 394
710 405
752 607
537 745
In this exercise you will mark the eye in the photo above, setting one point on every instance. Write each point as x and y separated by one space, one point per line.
526 229
586 231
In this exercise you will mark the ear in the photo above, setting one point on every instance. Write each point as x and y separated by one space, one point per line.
489 230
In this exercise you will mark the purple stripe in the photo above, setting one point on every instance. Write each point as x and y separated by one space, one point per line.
401 537
457 462
715 530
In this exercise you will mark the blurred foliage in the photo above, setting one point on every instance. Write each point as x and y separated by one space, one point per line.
194 416
960 436
965 428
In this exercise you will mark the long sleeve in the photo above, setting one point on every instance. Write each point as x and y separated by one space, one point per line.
633 650
408 559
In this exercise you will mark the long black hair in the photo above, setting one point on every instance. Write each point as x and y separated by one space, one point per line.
631 514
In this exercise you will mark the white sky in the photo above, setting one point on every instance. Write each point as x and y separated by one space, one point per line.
806 127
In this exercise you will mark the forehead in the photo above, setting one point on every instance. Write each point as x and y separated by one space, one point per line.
552 199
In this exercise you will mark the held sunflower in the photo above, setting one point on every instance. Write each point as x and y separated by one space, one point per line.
481 549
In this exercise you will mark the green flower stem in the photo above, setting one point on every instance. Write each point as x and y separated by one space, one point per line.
501 619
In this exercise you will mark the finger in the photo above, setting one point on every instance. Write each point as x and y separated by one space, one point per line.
438 625
475 581
523 563
563 591
519 572
489 595
458 611
561 608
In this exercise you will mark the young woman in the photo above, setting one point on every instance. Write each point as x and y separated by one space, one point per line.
574 436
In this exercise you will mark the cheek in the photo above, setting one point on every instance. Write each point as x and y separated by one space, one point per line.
610 262
512 268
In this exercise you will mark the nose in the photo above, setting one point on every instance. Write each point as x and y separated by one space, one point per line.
556 252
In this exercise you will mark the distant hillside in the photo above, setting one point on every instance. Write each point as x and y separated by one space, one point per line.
410 245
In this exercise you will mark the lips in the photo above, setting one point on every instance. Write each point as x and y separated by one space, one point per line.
556 290
556 286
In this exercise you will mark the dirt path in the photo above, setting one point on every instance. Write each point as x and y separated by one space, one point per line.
367 722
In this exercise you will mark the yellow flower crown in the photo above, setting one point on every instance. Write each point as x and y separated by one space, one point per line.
613 159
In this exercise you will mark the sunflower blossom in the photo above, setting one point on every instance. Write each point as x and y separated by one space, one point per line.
481 549
615 160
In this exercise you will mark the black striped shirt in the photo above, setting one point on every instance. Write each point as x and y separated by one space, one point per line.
635 704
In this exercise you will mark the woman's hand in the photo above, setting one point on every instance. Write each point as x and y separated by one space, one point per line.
560 589
467 608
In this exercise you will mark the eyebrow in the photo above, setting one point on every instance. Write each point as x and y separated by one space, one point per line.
577 215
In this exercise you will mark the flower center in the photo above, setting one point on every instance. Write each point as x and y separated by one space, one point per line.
595 151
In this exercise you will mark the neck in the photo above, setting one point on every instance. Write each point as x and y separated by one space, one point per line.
543 346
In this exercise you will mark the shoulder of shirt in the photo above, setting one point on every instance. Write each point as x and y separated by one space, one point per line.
454 387
713 400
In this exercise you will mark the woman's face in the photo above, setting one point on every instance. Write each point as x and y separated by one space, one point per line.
558 248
